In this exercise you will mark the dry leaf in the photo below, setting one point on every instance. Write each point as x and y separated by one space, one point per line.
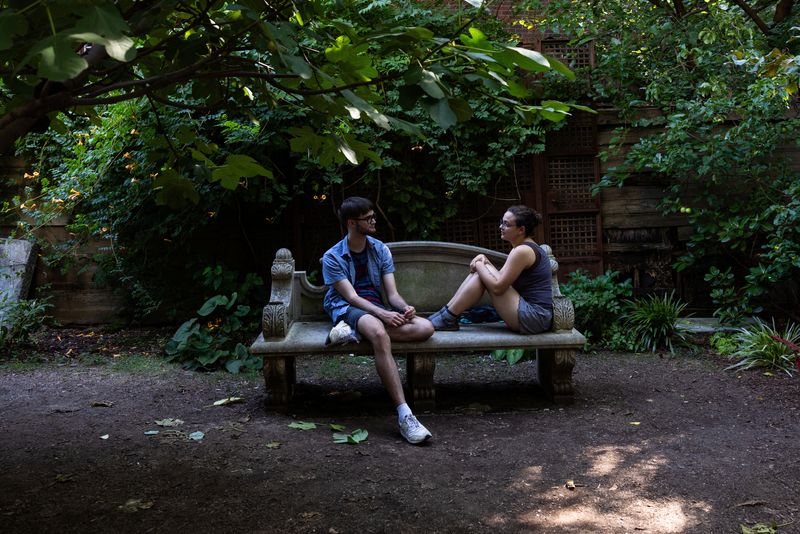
228 400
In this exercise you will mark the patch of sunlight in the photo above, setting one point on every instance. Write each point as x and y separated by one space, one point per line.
625 513
608 459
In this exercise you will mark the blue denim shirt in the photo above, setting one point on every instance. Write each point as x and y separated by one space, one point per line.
337 265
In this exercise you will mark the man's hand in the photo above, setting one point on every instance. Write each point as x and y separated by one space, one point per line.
393 318
409 312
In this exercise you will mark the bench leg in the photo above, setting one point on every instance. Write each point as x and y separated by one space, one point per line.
279 380
419 373
555 374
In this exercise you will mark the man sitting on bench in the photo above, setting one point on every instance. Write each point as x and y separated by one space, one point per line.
356 271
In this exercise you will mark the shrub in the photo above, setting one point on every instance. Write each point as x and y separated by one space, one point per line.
19 319
599 301
652 322
723 343
213 338
763 345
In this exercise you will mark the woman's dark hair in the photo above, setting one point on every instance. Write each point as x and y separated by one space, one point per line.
353 208
527 217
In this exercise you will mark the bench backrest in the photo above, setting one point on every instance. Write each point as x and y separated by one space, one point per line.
427 274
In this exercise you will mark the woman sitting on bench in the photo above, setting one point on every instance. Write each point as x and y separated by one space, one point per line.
520 291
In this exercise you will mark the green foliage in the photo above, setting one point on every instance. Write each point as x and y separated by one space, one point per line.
512 356
213 339
20 319
712 89
599 301
652 322
156 182
326 59
723 343
760 346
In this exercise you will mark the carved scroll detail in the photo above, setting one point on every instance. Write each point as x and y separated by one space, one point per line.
274 320
283 266
563 314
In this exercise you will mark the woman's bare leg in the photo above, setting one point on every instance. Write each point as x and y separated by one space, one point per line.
506 303
467 295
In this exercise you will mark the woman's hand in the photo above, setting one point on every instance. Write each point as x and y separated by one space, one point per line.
480 258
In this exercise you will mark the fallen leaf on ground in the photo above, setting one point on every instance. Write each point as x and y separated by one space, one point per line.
104 436
134 505
274 444
150 432
751 503
101 404
337 428
68 477
634 423
303 425
356 437
197 436
169 422
228 400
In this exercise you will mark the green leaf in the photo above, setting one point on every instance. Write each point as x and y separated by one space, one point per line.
361 105
236 167
461 108
559 67
298 65
58 61
211 304
174 190
476 39
233 366
337 428
303 425
11 24
442 114
431 84
352 439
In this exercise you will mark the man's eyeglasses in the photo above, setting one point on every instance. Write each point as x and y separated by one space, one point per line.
506 224
368 218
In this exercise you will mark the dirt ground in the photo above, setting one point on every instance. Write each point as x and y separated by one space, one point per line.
653 444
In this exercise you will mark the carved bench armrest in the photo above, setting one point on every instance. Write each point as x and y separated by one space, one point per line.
563 310
278 313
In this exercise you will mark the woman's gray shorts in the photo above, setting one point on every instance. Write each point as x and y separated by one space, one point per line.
533 318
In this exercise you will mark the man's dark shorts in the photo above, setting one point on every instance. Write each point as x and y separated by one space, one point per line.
353 314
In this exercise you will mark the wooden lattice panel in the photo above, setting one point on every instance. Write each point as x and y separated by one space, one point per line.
571 179
574 235
457 231
578 136
575 57
512 187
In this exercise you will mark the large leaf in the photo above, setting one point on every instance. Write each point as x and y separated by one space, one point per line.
58 61
11 24
441 113
236 167
431 84
174 190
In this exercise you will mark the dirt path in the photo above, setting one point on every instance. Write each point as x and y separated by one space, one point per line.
655 445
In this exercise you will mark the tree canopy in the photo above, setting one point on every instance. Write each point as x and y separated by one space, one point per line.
317 55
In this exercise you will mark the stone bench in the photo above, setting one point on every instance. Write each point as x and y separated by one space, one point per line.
428 273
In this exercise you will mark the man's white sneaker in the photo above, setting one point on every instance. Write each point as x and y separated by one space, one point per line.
412 430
